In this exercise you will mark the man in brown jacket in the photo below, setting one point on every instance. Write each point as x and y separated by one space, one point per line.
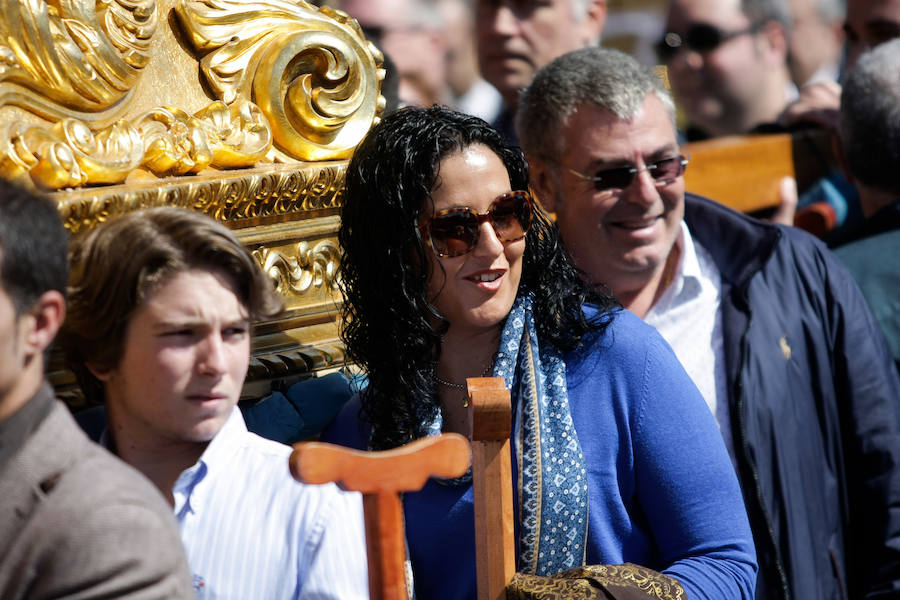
75 522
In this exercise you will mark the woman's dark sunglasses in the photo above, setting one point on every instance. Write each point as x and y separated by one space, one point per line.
699 37
455 231
663 172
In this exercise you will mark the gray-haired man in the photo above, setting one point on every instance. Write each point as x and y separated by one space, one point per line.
770 326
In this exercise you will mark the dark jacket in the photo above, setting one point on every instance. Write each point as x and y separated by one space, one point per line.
815 407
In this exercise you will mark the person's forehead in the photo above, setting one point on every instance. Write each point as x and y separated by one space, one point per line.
182 290
567 5
723 13
593 131
377 13
524 9
803 11
457 169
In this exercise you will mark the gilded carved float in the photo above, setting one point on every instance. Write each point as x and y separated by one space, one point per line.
244 110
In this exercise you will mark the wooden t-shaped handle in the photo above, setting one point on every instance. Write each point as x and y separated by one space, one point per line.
380 477
492 482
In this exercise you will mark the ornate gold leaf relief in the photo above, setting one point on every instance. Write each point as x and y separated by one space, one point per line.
306 68
283 72
306 267
165 141
219 135
82 55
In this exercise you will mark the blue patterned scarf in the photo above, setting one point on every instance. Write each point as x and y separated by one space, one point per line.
552 481
552 475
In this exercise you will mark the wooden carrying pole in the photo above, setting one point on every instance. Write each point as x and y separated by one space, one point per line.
492 482
380 477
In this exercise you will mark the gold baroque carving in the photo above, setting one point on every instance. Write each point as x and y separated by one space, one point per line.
165 141
310 70
220 135
282 73
304 268
69 154
82 55
269 193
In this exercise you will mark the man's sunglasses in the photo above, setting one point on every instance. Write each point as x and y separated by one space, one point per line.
664 171
455 231
699 37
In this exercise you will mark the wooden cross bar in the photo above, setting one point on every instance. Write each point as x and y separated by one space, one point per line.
381 477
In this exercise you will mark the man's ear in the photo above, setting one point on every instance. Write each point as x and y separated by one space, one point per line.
45 318
593 22
542 183
776 38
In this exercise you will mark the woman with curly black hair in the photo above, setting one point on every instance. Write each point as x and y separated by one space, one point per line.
450 270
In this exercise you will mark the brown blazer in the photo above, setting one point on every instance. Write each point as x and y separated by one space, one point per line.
76 522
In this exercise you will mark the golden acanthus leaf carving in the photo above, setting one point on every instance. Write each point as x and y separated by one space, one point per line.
307 267
220 136
310 70
84 55
165 141
69 154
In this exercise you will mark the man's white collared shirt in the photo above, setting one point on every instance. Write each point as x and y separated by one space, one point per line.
689 317
252 532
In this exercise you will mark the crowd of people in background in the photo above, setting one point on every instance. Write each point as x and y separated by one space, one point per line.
703 395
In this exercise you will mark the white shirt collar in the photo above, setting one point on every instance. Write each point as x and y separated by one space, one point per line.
188 489
687 281
688 315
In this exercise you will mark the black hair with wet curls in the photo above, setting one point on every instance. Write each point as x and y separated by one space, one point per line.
387 314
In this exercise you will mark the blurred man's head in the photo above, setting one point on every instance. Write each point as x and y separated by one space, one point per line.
33 275
870 126
518 37
869 23
410 33
727 62
459 34
161 306
599 133
816 39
